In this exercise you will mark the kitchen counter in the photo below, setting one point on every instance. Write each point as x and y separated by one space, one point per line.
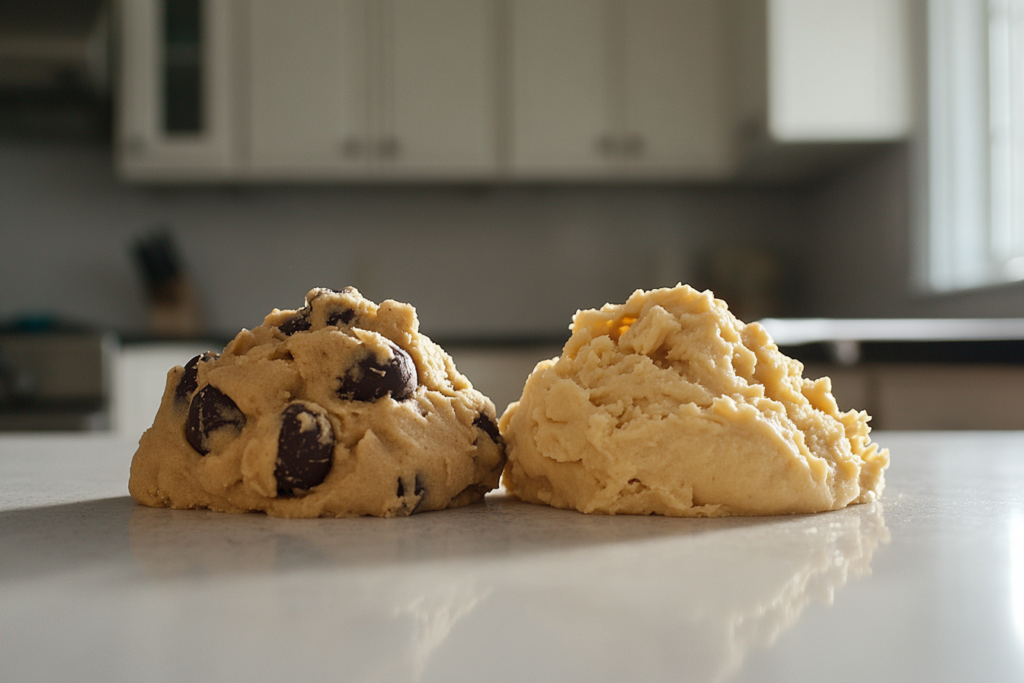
927 585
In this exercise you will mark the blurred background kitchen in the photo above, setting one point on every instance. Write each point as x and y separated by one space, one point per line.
170 170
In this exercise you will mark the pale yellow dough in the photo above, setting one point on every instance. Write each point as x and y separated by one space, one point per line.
669 405
433 449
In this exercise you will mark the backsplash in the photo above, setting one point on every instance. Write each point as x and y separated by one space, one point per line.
477 262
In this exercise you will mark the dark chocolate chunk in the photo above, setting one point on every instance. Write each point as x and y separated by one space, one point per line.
188 382
488 426
369 380
305 447
297 323
419 491
211 410
342 317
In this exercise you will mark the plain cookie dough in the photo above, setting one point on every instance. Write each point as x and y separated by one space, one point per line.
341 408
669 405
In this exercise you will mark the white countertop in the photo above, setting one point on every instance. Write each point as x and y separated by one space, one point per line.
928 585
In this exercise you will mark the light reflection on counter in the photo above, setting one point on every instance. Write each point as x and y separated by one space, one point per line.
586 596
95 588
1017 574
683 609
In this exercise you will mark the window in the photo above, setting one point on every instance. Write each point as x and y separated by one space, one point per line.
975 233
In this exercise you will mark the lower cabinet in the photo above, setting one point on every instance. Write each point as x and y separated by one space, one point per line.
930 397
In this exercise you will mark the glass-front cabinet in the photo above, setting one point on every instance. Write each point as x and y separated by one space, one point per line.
176 89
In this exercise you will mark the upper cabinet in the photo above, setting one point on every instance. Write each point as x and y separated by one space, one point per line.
175 110
485 90
561 93
837 71
675 88
439 104
308 85
371 88
617 88
308 89
815 82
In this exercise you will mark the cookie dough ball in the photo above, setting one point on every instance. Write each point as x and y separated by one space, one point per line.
340 408
669 405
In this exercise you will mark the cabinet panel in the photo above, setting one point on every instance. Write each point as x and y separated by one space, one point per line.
440 87
309 87
631 87
951 397
560 88
149 147
837 71
675 113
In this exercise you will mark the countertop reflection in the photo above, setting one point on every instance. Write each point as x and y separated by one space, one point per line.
925 584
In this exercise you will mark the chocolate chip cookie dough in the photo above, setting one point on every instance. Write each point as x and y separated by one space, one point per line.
340 408
669 405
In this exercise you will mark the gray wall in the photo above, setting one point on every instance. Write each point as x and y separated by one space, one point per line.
856 250
474 261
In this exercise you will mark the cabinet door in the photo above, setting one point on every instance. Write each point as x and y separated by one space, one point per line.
560 84
838 71
438 86
309 95
174 105
676 120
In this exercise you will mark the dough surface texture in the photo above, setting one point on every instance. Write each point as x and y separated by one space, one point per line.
669 405
341 408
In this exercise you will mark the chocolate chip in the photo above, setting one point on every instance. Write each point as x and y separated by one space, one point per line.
343 317
211 410
369 380
188 381
304 448
297 323
419 491
488 426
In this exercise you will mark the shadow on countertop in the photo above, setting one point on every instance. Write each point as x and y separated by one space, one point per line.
151 543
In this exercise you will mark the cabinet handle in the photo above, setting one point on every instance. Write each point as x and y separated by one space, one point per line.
351 148
633 146
606 145
135 146
388 148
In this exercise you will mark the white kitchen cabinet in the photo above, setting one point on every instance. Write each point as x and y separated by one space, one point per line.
372 88
155 140
617 88
313 90
837 70
816 82
561 121
523 90
308 81
440 87
675 109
